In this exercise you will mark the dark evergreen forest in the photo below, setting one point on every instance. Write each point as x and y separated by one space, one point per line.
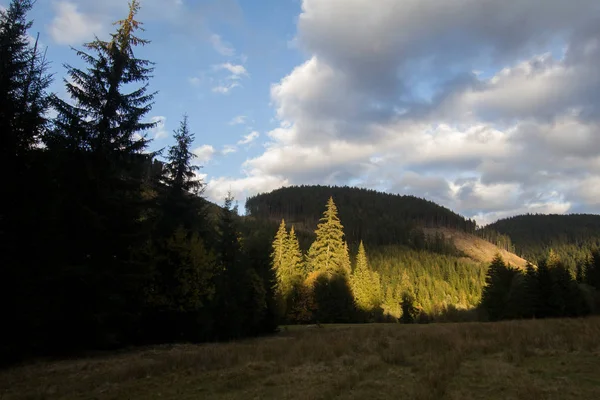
374 217
573 237
102 245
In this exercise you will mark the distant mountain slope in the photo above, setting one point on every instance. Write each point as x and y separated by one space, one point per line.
532 236
375 217
476 248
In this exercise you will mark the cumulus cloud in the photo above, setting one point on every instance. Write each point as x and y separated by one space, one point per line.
203 154
490 108
70 26
249 138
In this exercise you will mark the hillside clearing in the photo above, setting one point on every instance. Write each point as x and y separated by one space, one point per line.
476 248
548 359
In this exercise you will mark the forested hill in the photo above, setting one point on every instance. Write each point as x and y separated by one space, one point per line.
533 235
375 217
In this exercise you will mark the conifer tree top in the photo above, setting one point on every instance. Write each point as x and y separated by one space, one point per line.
105 118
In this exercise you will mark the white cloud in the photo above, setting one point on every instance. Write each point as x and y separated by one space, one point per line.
70 26
357 111
225 88
221 46
159 131
228 149
203 154
232 81
238 120
236 69
218 188
249 138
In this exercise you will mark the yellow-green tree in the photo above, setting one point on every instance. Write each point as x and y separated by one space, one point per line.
329 252
293 258
286 261
279 248
365 283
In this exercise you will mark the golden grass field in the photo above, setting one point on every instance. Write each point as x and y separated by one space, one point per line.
550 359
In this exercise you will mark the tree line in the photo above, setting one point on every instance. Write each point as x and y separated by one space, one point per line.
103 246
547 290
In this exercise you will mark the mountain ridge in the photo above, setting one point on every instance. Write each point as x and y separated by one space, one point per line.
377 218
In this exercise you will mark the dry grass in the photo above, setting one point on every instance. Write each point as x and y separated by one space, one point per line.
476 248
552 359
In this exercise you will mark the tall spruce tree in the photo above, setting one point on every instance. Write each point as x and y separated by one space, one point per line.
98 143
230 277
23 84
24 101
279 249
365 283
329 253
182 285
286 259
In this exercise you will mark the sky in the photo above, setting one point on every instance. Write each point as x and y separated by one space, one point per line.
490 108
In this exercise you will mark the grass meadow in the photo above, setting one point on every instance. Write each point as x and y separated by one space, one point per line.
543 359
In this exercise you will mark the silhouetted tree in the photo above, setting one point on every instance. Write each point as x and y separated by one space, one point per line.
23 84
498 284
409 311
99 170
24 101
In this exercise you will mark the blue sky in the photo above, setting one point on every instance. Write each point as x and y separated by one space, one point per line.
491 108
217 67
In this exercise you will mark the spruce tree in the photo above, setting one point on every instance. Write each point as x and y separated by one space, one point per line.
231 282
279 250
286 259
294 257
24 218
103 119
328 253
184 271
180 172
97 144
365 283
23 84
498 284
409 311
179 202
